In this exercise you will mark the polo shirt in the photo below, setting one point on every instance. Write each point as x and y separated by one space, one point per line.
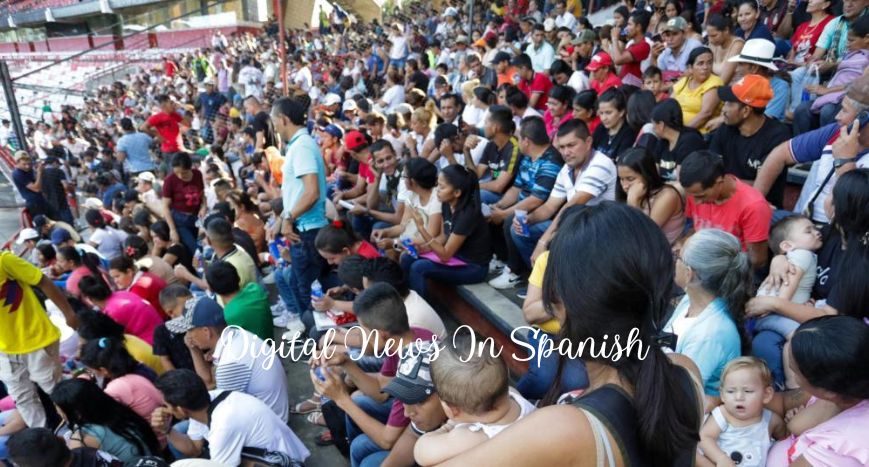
668 62
302 157
596 177
539 84
541 57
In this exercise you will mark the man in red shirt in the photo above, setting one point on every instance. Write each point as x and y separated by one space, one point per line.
600 70
165 126
184 200
721 201
534 85
630 56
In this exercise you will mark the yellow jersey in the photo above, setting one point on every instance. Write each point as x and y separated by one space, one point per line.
551 326
24 323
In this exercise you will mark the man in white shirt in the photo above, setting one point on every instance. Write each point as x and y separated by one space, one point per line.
252 79
232 422
235 357
149 197
587 178
399 49
564 18
5 130
541 52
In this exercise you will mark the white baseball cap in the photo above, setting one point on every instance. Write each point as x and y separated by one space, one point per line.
146 177
27 234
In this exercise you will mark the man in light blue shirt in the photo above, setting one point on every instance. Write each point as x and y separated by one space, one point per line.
134 149
304 201
673 60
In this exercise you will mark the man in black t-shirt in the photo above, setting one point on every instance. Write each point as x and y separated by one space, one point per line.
500 160
748 136
415 78
262 124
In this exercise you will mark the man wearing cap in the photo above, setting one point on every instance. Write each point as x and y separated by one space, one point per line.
541 53
583 47
833 150
44 226
756 58
600 70
27 238
629 56
348 111
29 183
148 195
533 84
673 59
357 144
28 340
133 149
235 363
748 136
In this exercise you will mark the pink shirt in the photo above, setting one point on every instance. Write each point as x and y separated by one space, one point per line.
137 316
136 392
840 441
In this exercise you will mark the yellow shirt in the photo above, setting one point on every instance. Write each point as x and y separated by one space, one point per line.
691 100
24 323
536 279
142 352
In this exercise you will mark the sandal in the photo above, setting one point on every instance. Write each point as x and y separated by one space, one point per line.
324 439
316 418
311 404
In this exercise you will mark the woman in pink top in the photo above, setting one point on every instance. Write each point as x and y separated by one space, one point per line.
116 372
136 315
828 357
79 265
643 188
558 108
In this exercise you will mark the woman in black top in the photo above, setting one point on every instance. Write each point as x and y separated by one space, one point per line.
172 253
646 406
464 236
613 135
674 140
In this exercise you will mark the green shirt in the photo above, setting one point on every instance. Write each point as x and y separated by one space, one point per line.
249 310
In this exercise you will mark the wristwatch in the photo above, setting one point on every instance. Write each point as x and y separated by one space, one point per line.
837 163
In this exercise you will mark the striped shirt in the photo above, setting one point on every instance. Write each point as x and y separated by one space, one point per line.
536 178
596 177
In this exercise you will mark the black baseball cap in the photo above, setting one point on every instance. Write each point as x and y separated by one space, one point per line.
413 383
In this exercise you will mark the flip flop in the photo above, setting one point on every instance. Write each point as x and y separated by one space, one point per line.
306 406
316 418
324 439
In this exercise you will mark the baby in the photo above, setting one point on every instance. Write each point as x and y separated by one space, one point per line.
738 431
477 399
797 238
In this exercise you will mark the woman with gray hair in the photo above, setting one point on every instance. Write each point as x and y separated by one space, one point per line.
716 276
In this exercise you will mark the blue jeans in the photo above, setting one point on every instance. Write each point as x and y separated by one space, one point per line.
398 63
65 214
418 270
536 382
185 224
375 459
180 427
520 247
767 346
282 275
307 266
361 445
489 197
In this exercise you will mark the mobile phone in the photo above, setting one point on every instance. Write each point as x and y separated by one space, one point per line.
863 118
657 38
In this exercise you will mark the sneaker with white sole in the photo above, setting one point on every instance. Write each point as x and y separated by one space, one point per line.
506 280
295 328
522 293
282 320
496 265
278 308
269 279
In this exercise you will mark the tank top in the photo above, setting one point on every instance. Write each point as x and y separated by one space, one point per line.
490 429
748 444
615 409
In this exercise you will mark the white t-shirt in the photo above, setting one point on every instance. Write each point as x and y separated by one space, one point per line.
109 241
398 50
807 261
253 80
303 79
413 201
393 97
476 155
421 315
597 177
241 421
237 369
578 81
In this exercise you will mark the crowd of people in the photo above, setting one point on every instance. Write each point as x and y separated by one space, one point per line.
629 178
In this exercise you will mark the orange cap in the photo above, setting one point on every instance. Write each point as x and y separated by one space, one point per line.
751 90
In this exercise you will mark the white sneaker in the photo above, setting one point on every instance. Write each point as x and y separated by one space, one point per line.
278 308
295 328
282 320
269 279
496 265
506 280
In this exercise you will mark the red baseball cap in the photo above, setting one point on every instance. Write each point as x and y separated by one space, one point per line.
354 140
600 59
751 90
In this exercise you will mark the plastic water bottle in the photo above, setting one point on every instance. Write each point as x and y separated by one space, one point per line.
408 245
275 251
316 291
198 262
522 218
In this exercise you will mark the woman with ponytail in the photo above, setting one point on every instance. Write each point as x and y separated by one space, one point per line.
138 250
640 409
716 276
79 265
129 277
